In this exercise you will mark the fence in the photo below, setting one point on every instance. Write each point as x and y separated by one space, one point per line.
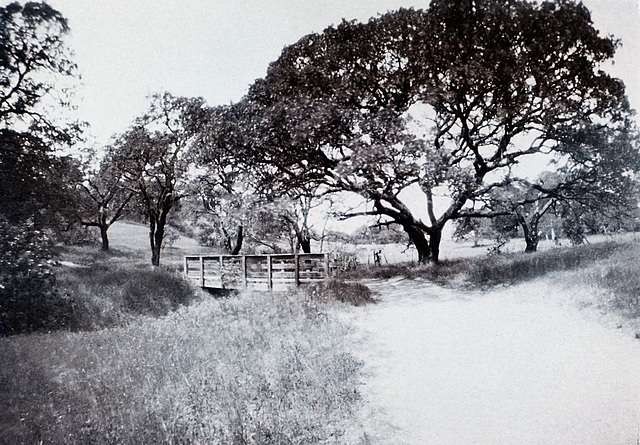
266 271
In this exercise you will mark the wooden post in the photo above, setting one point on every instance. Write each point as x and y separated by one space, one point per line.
186 267
326 266
296 260
244 270
269 272
221 272
201 271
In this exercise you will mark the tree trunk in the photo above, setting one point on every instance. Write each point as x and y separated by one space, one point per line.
304 241
530 236
239 239
157 248
155 251
159 222
434 244
531 240
159 238
105 238
419 240
156 235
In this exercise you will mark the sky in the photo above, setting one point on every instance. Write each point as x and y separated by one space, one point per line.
127 50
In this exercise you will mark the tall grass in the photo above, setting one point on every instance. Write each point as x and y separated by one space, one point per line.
620 276
495 269
252 369
97 295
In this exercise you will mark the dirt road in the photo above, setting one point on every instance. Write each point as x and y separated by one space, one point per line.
519 365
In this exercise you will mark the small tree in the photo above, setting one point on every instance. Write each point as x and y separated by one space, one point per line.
221 215
222 195
600 186
104 197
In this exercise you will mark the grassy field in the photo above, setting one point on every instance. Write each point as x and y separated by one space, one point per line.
121 352
252 369
144 358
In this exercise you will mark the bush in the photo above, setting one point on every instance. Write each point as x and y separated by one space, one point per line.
154 292
338 290
28 298
106 295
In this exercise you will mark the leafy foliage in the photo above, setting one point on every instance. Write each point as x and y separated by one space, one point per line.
151 157
499 83
32 57
232 203
36 199
32 43
28 300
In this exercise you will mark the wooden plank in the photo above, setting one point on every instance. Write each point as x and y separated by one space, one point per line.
244 270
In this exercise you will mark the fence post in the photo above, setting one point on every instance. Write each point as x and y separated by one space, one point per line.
244 270
326 266
221 272
201 271
186 266
296 260
269 272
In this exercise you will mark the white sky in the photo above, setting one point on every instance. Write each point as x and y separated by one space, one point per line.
129 49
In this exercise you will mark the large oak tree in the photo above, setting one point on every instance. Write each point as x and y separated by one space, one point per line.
498 83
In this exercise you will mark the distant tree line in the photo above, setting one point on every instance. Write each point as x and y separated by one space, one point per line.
498 114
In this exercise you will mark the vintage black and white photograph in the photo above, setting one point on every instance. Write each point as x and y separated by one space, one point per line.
359 222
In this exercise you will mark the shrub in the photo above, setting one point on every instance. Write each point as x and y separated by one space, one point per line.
106 294
154 292
338 290
28 298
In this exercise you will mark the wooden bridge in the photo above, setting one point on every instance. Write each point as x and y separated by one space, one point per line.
259 271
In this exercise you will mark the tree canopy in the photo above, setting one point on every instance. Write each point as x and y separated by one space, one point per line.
453 101
152 160
32 57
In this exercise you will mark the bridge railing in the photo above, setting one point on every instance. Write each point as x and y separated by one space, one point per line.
261 271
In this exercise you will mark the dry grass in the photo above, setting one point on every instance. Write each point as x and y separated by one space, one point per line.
613 268
492 270
619 275
352 293
252 369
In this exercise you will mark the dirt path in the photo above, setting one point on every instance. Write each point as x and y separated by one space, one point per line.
521 365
